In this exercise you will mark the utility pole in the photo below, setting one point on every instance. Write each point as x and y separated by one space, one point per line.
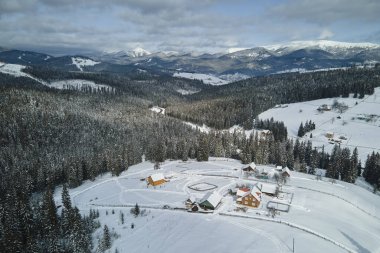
293 244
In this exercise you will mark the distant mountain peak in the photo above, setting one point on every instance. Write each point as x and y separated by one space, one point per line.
134 53
139 52
321 44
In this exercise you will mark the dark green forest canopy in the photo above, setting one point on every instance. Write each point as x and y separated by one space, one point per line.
240 102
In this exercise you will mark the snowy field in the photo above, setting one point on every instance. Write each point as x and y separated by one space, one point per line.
359 124
323 217
77 84
17 71
81 62
207 79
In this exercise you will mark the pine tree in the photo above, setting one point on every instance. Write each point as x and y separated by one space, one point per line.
135 210
347 169
203 149
106 239
121 217
301 131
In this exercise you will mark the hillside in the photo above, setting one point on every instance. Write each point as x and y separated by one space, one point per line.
313 217
355 126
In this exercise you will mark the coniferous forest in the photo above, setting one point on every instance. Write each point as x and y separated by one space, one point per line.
51 137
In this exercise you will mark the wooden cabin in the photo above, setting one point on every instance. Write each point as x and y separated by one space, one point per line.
250 199
329 135
156 179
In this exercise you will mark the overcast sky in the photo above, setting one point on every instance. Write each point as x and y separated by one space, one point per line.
80 26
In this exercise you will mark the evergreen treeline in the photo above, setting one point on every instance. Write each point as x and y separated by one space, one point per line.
161 90
303 129
278 129
31 223
372 170
239 103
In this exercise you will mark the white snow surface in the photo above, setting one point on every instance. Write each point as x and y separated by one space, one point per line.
323 217
81 62
78 84
303 70
207 79
187 92
360 124
72 84
16 70
203 129
139 52
158 109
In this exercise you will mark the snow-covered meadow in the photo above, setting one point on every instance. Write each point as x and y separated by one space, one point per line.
359 124
69 84
207 79
82 62
323 217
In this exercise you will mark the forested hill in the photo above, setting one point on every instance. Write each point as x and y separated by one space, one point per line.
50 136
240 102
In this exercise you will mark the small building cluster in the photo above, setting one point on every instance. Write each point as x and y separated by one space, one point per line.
264 173
324 107
252 196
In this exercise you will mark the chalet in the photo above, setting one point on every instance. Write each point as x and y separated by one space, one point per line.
250 199
242 191
286 172
251 168
329 135
210 201
156 179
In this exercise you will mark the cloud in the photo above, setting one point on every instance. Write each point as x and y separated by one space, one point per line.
181 25
16 6
328 11
326 34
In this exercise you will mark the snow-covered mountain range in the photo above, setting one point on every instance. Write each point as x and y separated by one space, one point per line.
264 60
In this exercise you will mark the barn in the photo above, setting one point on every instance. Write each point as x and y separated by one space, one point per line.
210 201
156 179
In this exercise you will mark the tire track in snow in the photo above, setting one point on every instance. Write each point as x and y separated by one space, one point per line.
293 225
260 232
